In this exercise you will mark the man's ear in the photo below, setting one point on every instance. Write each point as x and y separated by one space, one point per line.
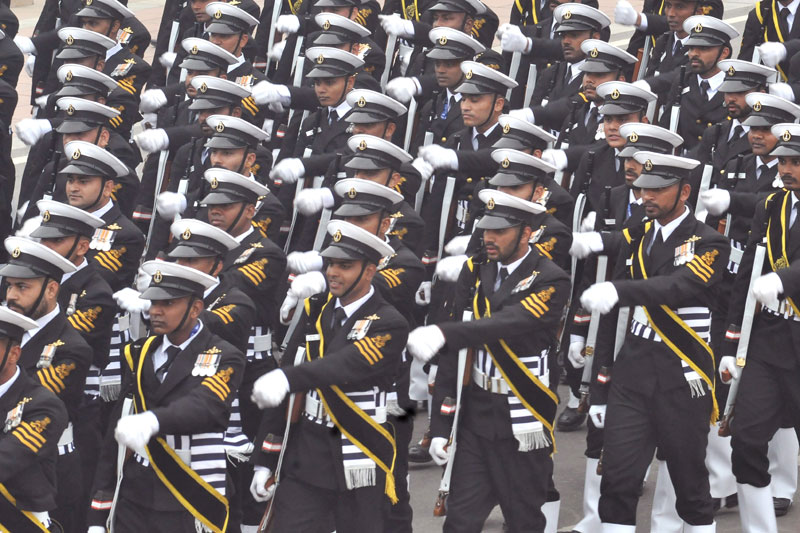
197 307
83 247
52 289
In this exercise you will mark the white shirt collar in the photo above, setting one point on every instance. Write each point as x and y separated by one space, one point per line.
341 109
352 307
113 50
239 61
735 122
683 41
68 275
792 8
451 94
244 235
166 344
760 162
7 385
42 321
632 198
103 210
211 289
574 69
486 133
512 266
714 83
667 230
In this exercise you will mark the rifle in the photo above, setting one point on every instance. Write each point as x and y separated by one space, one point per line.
122 455
701 211
594 322
513 71
675 112
276 12
410 119
391 44
423 184
174 30
440 507
533 73
724 225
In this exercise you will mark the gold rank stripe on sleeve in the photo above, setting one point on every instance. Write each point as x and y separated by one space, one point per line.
127 84
224 314
218 383
700 269
535 305
250 105
115 122
368 348
50 380
392 277
543 250
110 259
254 271
29 437
81 321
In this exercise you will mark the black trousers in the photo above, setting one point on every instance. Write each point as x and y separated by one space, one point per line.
69 487
637 423
88 440
594 440
399 516
767 396
132 517
303 508
491 472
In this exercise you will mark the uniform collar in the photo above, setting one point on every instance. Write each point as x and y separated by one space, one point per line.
68 275
41 322
667 230
352 307
103 210
113 50
513 266
7 385
244 235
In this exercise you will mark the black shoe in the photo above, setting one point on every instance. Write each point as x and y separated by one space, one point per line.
728 502
418 452
781 505
570 420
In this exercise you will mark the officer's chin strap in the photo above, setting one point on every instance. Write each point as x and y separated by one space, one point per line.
103 180
5 355
38 300
237 49
185 313
677 197
491 113
68 257
244 159
236 220
353 286
502 260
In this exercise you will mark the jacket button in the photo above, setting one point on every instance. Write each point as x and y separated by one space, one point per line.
722 172
710 124
698 121
444 139
469 180
699 137
469 197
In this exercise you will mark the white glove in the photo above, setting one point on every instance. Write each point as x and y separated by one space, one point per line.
30 64
717 201
143 280
152 100
167 59
96 529
270 389
600 297
438 452
598 415
448 268
302 262
110 387
424 168
625 14
557 158
41 101
309 284
642 85
584 244
258 485
512 39
767 288
425 342
458 245
728 363
29 226
312 201
402 89
25 44
784 90
152 140
394 24
30 130
576 346
289 304
277 51
149 120
772 53
265 92
588 222
439 157
128 300
287 24
526 113
288 170
423 294
170 204
135 431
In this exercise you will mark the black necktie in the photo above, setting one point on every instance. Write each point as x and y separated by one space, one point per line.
678 50
333 117
172 353
704 87
339 316
784 21
762 170
481 140
738 131
656 240
568 74
503 274
591 120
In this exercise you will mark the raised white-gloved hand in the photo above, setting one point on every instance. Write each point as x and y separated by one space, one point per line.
439 157
289 304
439 453
642 85
30 64
30 130
25 44
167 59
458 245
425 342
394 24
557 158
277 51
110 387
288 170
423 294
601 297
287 24
152 140
589 221
401 89
717 201
598 415
783 90
309 284
575 352
96 529
128 300
149 120
728 363
143 280
766 289
302 262
312 201
152 100
170 204
424 168
625 14
772 53
448 268
135 431
526 114
584 244
258 486
512 39
270 389
265 92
